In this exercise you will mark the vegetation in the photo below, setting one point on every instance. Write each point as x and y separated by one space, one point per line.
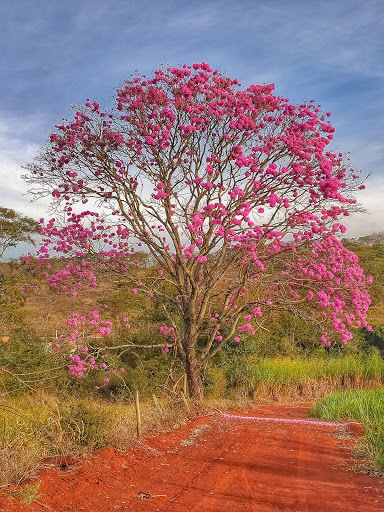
233 191
72 419
45 413
366 406
286 378
15 228
46 427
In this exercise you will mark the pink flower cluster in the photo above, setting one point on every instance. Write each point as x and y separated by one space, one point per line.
167 331
339 286
238 174
81 367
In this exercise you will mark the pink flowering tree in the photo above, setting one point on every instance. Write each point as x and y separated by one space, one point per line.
231 190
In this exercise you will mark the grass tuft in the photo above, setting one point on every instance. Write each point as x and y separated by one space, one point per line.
26 494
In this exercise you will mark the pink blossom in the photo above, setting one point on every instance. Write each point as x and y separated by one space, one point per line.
233 169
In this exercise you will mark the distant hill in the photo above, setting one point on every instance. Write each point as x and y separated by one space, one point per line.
372 239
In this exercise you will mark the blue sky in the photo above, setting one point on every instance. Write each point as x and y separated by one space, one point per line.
58 52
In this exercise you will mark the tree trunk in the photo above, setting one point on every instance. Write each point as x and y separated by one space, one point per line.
192 363
195 383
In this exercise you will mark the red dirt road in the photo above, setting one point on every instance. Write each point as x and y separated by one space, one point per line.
218 464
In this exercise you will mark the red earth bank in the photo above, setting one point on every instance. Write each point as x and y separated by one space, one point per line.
218 464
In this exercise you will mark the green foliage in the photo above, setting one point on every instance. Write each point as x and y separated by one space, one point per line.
28 364
23 352
237 360
370 251
15 228
366 406
163 305
291 335
215 382
11 297
375 338
147 378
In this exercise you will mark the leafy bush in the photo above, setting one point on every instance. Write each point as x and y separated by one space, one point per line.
215 382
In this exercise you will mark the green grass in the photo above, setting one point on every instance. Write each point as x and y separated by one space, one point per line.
366 406
292 378
315 377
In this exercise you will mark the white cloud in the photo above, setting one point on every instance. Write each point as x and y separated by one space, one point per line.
14 190
372 199
18 148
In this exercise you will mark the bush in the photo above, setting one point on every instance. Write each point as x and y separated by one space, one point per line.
215 382
27 364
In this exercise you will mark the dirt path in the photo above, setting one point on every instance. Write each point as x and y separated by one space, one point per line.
219 464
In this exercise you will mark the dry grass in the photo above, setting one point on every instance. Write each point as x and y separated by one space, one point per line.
26 494
41 427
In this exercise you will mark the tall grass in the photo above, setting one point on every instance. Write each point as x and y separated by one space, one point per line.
38 427
315 377
366 406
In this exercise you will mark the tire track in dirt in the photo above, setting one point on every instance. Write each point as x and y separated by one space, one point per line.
210 465
283 475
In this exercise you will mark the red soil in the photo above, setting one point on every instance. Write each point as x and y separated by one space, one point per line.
218 464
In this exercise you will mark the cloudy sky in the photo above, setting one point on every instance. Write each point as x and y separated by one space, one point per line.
58 52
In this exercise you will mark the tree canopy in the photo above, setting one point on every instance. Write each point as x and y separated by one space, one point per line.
234 193
15 228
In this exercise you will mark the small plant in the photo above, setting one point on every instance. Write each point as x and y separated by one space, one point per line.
26 494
